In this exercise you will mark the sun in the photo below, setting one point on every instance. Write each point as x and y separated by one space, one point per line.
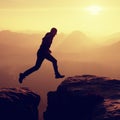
94 9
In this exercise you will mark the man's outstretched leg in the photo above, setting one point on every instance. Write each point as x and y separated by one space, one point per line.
32 69
54 62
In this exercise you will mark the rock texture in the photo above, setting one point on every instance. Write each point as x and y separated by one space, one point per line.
85 97
18 104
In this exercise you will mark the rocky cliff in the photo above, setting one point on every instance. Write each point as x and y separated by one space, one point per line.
85 97
18 104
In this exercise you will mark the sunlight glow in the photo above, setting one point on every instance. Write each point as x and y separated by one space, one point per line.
94 10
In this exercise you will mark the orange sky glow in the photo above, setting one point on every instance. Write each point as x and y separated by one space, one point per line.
93 17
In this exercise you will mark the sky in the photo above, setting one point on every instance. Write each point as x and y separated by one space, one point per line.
93 17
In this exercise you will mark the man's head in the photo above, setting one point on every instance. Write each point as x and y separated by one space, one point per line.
53 31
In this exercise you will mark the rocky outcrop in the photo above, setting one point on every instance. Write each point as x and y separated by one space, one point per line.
85 97
18 104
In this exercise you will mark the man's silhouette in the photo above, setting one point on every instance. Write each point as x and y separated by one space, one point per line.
44 53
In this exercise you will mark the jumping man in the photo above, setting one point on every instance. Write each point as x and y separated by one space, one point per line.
44 53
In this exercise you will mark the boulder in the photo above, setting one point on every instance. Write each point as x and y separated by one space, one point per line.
18 104
85 97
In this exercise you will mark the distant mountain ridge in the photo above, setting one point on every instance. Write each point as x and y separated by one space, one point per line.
75 42
9 37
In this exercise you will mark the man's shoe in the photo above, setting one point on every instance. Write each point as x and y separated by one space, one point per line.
21 77
59 76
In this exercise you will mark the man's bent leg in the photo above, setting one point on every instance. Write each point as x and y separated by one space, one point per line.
55 66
